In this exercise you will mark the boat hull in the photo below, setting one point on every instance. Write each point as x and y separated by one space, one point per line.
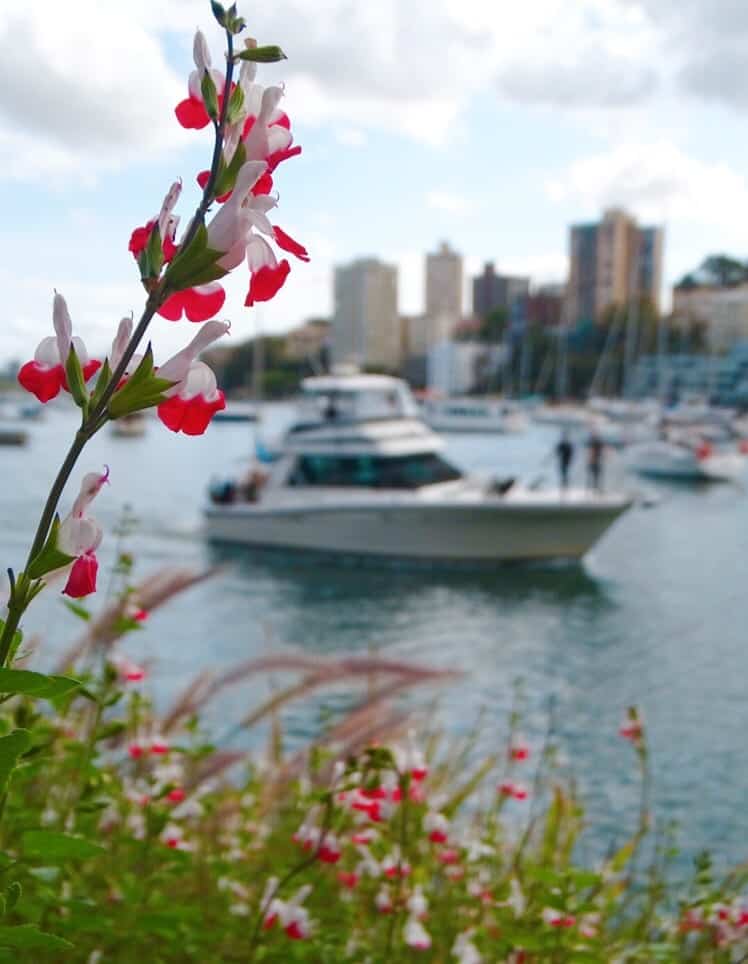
498 532
665 461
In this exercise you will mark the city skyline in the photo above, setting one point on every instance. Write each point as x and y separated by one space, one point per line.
472 123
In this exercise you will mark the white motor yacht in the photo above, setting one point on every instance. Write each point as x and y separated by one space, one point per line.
473 415
360 474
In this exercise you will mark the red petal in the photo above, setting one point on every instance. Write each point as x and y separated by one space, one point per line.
249 123
173 307
169 248
264 184
198 413
275 159
282 121
267 282
82 579
288 244
171 412
190 416
139 238
191 113
199 305
91 368
41 381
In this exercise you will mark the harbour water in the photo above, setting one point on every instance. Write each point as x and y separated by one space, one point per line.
654 616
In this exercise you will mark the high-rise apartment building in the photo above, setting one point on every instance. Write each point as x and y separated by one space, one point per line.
492 291
611 263
366 327
444 284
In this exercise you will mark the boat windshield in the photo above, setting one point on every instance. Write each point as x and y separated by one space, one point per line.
372 471
351 404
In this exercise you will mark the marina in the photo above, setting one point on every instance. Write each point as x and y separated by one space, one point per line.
651 616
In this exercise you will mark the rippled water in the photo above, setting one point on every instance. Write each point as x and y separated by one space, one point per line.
655 616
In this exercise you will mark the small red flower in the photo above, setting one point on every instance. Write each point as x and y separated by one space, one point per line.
82 579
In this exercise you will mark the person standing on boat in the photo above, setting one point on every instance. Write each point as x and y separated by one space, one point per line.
564 454
595 452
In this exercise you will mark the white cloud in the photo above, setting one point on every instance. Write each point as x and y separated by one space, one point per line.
659 182
449 202
351 137
82 89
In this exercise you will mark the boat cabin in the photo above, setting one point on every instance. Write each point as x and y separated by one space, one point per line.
331 399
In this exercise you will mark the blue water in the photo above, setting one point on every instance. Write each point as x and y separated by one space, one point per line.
655 616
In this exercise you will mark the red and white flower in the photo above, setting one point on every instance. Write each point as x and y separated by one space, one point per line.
167 223
416 936
436 826
191 112
194 397
44 376
517 791
236 231
80 536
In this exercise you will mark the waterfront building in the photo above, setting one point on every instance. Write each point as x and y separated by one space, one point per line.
444 280
455 367
612 262
545 305
366 327
492 291
722 308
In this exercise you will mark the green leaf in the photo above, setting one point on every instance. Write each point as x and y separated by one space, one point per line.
155 252
53 845
12 747
76 382
262 55
236 103
80 611
210 95
142 390
188 263
227 177
105 373
29 937
50 557
218 12
36 684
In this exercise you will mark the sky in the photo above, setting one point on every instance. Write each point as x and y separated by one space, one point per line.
493 124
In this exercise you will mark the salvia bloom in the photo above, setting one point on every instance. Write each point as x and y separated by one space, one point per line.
517 791
237 230
416 936
80 536
44 376
194 398
191 112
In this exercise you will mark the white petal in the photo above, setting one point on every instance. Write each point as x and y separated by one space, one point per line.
200 381
200 52
270 100
247 74
164 217
264 203
177 368
63 326
193 84
260 221
121 341
91 484
278 138
259 254
47 353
